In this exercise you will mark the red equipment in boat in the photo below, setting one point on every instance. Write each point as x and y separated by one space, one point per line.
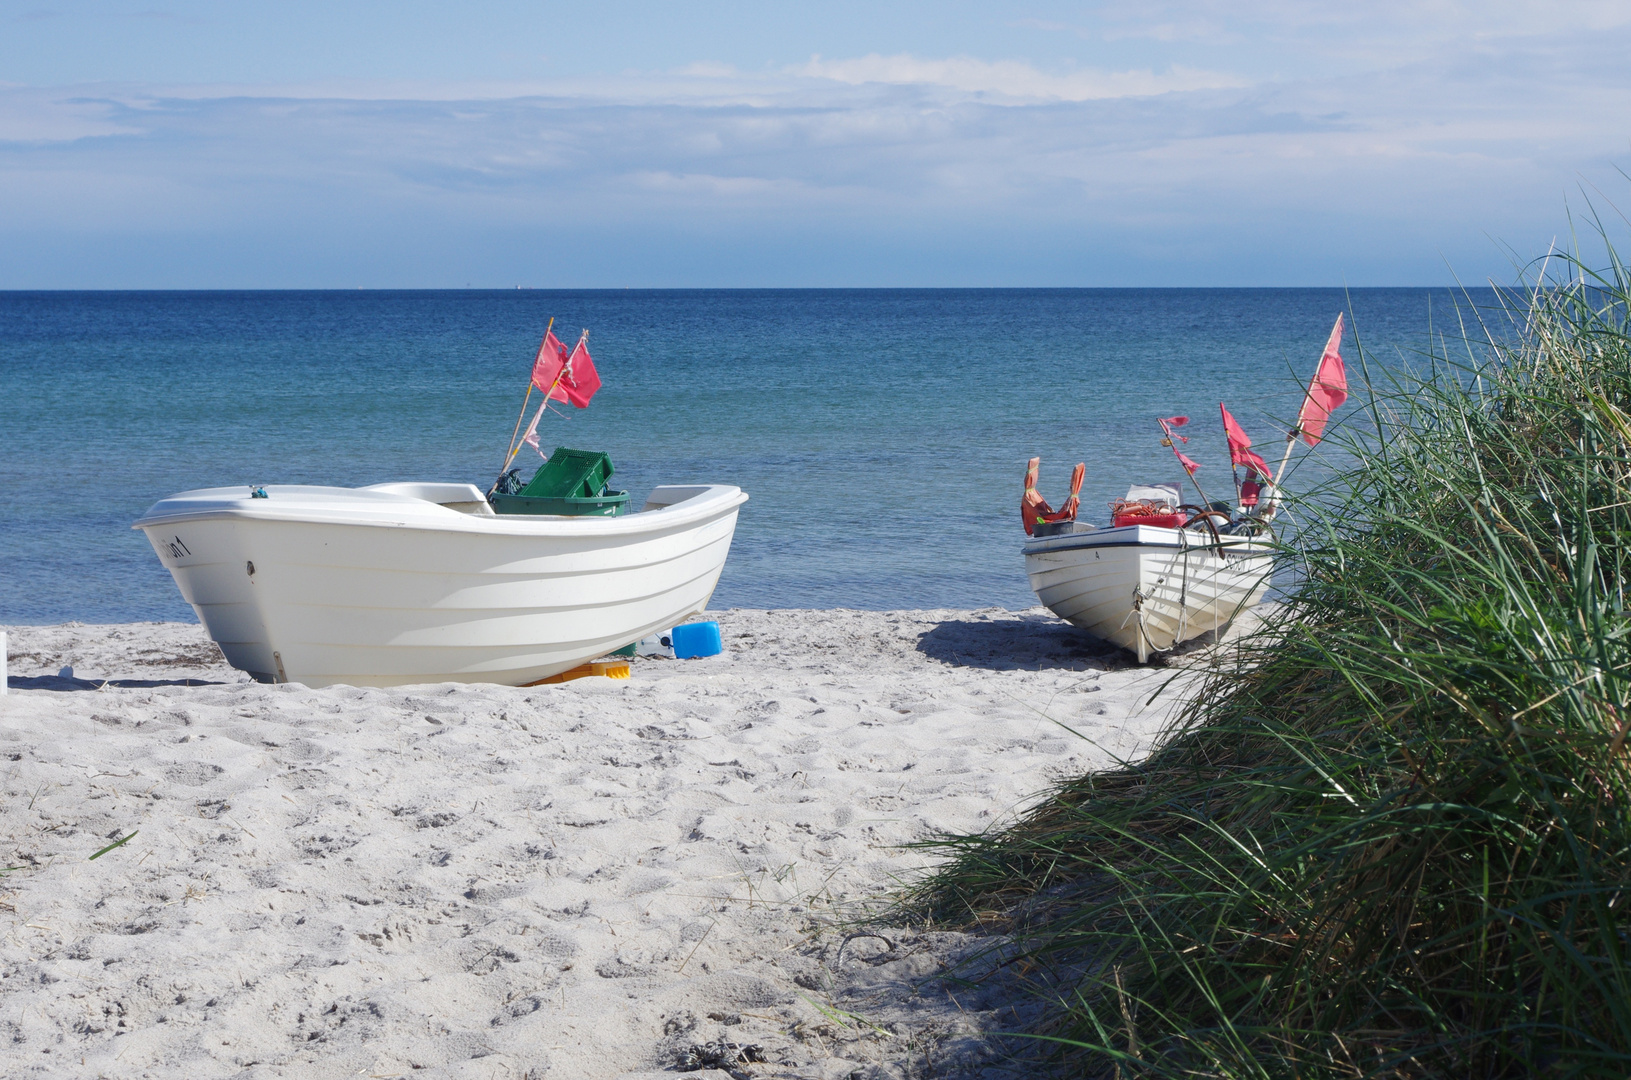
1034 509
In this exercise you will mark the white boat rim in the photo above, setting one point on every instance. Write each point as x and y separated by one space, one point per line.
391 505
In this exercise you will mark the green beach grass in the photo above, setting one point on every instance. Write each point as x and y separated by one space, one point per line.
1390 836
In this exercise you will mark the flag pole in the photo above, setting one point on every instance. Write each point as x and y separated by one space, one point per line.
1273 502
510 450
1294 433
515 448
1291 441
1205 502
1167 437
1233 468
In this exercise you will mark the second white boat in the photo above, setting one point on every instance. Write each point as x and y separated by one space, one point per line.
1147 588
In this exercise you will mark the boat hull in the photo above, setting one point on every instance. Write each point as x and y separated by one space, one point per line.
330 585
1147 589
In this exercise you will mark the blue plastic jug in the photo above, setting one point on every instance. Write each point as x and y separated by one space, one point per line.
696 639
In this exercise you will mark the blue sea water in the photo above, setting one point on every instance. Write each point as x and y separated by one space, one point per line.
882 434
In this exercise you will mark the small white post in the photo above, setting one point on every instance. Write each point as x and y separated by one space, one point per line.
2 661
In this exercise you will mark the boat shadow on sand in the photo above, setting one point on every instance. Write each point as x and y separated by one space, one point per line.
64 683
1022 641
1037 641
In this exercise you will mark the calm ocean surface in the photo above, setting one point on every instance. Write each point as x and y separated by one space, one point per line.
882 434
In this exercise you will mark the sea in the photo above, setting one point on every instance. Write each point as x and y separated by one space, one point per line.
882 434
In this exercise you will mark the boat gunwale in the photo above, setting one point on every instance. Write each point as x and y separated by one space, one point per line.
1046 545
712 501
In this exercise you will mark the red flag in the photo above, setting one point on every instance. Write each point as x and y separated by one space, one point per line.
1240 451
1167 424
581 379
1170 439
1328 390
546 369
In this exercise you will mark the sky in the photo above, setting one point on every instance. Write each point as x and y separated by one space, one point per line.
156 144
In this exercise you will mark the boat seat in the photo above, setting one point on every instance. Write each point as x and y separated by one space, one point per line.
464 498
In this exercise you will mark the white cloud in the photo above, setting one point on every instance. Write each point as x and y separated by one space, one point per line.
29 115
1312 22
1012 78
1194 175
707 69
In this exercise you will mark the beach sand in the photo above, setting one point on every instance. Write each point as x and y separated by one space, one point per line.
599 879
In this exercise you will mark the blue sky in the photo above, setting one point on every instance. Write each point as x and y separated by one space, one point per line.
201 145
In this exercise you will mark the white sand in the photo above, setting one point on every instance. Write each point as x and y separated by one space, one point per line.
585 880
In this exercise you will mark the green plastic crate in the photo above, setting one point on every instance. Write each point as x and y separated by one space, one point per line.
570 474
609 504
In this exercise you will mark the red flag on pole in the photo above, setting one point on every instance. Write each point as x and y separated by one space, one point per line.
1240 445
581 379
1328 390
1172 439
547 368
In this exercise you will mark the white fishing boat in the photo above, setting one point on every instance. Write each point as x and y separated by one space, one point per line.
423 582
1147 588
1164 572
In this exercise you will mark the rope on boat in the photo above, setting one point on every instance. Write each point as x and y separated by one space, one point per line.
1138 612
1183 591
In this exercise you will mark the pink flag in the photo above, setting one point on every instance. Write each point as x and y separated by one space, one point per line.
547 368
581 379
531 437
1240 451
1327 392
1167 424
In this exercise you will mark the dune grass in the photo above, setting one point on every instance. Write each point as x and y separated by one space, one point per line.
1391 836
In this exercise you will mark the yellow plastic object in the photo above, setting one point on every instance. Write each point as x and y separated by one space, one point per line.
611 669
